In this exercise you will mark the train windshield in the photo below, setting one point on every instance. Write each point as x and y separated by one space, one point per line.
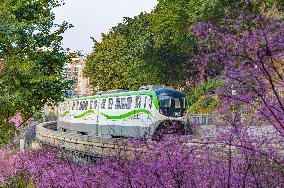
172 103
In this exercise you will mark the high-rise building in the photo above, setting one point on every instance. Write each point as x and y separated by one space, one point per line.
74 71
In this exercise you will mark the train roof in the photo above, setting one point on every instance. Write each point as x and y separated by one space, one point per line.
144 90
126 93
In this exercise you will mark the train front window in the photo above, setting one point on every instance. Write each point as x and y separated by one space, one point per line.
177 102
172 103
165 101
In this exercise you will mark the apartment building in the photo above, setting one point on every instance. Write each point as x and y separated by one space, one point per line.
74 71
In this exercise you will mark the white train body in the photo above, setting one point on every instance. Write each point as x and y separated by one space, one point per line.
122 114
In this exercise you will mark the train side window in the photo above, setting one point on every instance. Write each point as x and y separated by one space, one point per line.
129 102
95 104
150 102
138 102
117 103
84 105
87 105
81 105
110 103
91 104
103 105
145 102
123 103
74 105
77 106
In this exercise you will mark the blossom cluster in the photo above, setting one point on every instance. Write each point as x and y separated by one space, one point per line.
18 121
250 51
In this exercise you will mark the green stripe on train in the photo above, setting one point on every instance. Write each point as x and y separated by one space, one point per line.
65 113
88 112
128 114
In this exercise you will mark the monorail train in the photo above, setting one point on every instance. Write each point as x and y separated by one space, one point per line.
120 113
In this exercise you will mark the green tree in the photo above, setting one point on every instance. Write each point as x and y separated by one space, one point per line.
107 68
155 48
119 60
30 46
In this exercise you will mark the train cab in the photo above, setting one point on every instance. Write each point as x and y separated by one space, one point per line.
172 103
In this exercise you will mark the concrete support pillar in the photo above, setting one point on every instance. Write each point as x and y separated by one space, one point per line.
22 144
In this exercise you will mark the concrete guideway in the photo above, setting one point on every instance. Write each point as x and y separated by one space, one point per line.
46 134
80 143
90 146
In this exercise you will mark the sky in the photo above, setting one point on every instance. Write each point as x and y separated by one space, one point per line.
91 18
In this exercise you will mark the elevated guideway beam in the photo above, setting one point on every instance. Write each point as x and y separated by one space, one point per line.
79 143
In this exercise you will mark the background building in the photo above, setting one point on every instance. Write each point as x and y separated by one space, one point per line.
74 71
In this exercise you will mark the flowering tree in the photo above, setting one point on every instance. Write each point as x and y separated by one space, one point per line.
168 163
17 120
251 50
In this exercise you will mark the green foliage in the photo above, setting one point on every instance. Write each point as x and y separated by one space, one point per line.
119 60
7 133
132 55
30 45
21 180
203 98
38 117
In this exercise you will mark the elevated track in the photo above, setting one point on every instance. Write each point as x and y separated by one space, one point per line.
46 135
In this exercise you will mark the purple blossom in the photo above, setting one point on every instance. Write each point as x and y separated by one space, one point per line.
232 159
251 50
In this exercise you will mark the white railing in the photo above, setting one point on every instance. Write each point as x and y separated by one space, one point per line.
202 119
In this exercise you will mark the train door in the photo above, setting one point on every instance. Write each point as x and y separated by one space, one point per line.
98 102
137 108
145 106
